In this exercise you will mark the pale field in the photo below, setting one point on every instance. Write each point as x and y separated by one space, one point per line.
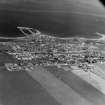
95 77
79 85
92 79
64 94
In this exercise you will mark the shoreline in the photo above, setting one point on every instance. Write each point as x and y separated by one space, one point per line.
65 38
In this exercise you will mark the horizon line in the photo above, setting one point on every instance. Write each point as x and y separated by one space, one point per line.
53 11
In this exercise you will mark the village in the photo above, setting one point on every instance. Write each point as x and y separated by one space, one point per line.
46 51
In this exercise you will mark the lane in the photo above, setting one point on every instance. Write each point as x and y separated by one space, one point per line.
79 85
60 91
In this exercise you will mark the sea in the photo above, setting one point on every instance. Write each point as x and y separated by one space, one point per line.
62 24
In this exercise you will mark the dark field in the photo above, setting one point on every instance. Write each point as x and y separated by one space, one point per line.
18 88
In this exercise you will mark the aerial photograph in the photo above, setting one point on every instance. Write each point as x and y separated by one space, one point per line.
52 52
